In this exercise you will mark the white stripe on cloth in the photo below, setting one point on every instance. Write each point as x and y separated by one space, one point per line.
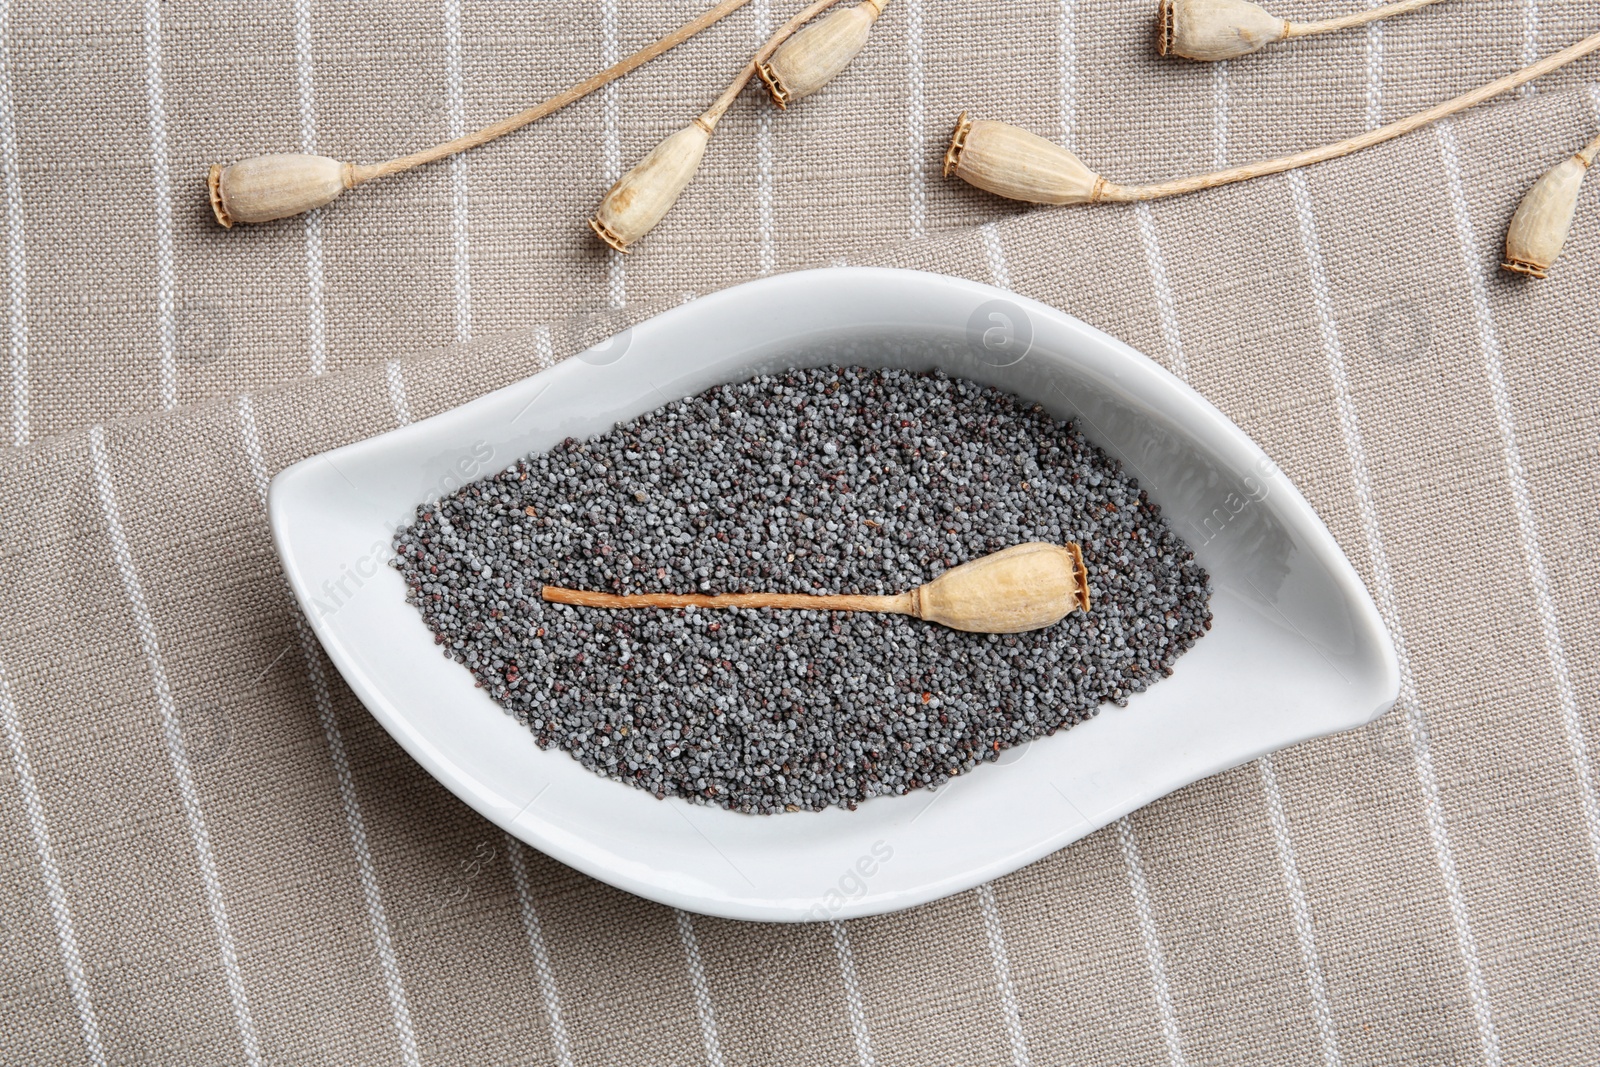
16 242
55 895
355 823
172 735
995 254
456 113
1521 502
1300 911
852 994
541 957
1152 942
394 376
1530 39
544 346
1166 309
1384 590
611 141
1068 58
161 196
699 990
1002 975
1374 70
1219 115
766 252
915 141
316 329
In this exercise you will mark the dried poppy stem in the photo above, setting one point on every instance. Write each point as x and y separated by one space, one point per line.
1014 163
1024 587
555 103
277 186
1358 18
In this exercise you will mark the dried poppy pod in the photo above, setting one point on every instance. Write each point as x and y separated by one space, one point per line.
1024 587
1223 29
1014 163
641 197
815 56
1011 162
1216 29
632 207
274 187
1539 228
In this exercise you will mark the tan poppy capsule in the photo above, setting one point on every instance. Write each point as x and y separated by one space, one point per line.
1011 162
639 200
1216 29
1539 228
814 56
274 187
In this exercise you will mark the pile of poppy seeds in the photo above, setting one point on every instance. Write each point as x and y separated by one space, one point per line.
833 480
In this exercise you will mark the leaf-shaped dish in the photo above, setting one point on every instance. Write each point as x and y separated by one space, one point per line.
1296 650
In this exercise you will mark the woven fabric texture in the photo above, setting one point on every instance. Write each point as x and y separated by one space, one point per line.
210 853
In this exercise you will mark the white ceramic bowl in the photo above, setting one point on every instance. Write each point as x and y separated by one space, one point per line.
1296 650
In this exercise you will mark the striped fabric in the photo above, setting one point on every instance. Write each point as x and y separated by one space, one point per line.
211 853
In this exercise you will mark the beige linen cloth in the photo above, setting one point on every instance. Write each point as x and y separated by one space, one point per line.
210 853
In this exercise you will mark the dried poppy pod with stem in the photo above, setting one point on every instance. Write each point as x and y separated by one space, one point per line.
814 57
1011 162
1539 228
277 186
1024 587
1223 29
643 196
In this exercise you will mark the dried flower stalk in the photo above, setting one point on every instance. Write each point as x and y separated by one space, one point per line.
1539 228
1021 166
1223 29
277 186
1024 587
643 196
